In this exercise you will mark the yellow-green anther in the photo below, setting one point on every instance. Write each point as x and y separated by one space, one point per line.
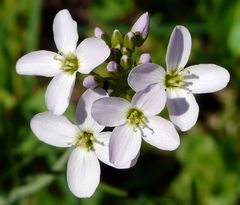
173 80
116 39
85 140
136 118
126 62
129 41
69 62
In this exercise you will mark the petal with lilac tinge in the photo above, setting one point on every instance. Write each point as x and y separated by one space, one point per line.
54 130
144 75
206 78
84 108
83 172
65 32
59 92
179 48
183 108
161 133
40 63
101 148
91 52
124 145
110 111
150 100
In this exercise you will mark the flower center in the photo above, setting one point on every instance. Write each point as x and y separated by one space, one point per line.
85 139
174 80
69 62
136 118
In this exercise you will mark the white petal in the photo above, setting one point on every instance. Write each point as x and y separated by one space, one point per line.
83 172
110 111
84 108
102 151
91 53
161 134
150 100
146 74
59 92
65 32
101 147
128 164
179 48
183 108
54 130
38 63
206 78
124 145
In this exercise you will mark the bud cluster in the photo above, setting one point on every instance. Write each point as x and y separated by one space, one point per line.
121 59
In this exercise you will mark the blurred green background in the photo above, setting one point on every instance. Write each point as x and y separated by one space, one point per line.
205 170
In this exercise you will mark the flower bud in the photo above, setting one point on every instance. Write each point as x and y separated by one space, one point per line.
145 58
126 62
129 41
98 32
112 66
141 28
116 39
89 82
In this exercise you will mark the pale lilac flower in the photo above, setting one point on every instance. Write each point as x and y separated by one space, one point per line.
63 65
112 66
89 82
145 58
135 121
180 82
142 25
90 144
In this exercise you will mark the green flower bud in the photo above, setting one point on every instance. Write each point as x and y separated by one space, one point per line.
129 41
116 39
126 62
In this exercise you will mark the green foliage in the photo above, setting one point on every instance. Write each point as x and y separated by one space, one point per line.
205 170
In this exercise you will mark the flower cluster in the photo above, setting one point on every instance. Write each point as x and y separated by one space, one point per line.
132 116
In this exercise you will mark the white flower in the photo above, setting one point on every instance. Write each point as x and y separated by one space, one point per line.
90 144
134 121
63 65
178 81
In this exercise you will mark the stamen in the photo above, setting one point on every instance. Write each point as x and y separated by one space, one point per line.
137 120
69 62
86 140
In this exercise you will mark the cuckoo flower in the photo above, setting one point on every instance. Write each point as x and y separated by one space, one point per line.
63 65
180 82
134 121
90 144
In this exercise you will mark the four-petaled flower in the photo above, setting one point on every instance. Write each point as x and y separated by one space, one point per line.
134 121
178 81
90 144
64 65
